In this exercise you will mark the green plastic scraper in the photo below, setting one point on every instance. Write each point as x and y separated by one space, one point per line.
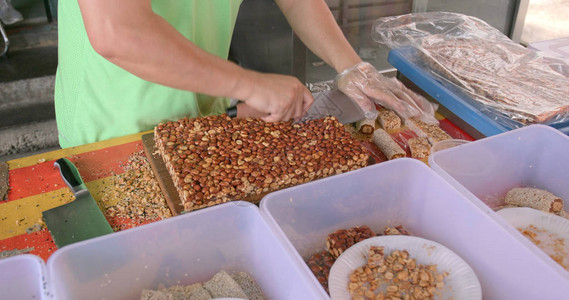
78 220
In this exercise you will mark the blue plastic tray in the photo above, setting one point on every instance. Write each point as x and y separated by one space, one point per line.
460 104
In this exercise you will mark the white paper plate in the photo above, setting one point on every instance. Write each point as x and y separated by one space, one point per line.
522 217
461 283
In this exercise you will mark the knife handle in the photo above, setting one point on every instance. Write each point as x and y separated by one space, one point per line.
70 174
231 111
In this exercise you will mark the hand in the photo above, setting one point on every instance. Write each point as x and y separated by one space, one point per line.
365 85
278 97
245 111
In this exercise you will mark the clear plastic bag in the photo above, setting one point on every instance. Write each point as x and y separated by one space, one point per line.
516 85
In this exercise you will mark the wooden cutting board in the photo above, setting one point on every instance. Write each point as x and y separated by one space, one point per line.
167 185
162 175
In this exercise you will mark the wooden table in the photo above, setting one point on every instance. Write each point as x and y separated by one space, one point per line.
36 185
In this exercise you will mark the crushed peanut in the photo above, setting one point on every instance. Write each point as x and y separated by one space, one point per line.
135 195
552 244
397 276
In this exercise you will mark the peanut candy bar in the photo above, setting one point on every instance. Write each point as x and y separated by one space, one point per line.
433 133
387 145
419 147
528 92
397 230
534 198
366 126
216 159
320 265
389 120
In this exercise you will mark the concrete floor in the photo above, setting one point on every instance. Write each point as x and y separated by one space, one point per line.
27 115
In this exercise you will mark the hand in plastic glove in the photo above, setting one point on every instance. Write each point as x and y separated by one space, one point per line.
365 85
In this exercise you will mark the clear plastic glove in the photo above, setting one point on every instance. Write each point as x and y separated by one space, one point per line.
366 86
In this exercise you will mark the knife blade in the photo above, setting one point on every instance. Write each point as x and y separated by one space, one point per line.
334 103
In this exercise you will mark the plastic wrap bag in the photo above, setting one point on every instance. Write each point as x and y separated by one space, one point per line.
516 85
322 86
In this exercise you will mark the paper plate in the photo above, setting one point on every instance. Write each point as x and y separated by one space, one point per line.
461 283
522 217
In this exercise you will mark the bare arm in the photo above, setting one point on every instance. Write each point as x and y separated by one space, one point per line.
129 34
318 30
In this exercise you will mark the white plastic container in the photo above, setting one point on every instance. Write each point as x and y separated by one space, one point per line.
23 277
556 47
406 192
445 144
179 251
533 156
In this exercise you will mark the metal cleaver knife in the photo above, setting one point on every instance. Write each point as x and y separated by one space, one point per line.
328 103
334 103
80 219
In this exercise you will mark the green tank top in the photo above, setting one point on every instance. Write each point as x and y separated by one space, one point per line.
97 100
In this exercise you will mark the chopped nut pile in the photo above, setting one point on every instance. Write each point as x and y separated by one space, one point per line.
217 159
397 276
551 243
135 195
239 285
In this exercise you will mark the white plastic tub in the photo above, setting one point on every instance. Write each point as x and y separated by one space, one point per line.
23 277
405 191
182 250
533 156
557 47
